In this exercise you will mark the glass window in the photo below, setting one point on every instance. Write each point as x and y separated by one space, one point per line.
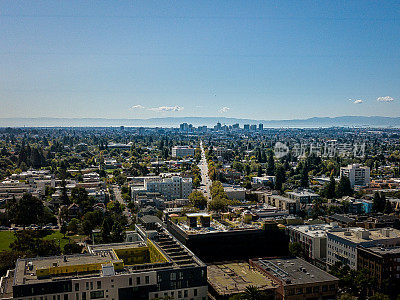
147 280
137 280
76 286
130 281
98 285
96 294
84 296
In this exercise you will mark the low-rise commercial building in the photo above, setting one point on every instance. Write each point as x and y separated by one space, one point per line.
230 279
297 279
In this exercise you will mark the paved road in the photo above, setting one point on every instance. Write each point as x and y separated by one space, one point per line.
118 197
205 180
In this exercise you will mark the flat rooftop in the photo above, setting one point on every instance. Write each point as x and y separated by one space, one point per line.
318 230
356 235
293 270
116 246
216 227
383 250
26 275
233 278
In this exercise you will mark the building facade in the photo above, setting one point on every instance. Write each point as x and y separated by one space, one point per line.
312 239
357 174
171 188
297 279
182 151
145 269
343 243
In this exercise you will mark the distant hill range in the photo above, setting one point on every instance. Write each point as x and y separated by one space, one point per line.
344 121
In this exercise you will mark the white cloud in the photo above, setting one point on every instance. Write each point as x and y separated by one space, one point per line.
358 101
224 109
166 108
385 99
138 106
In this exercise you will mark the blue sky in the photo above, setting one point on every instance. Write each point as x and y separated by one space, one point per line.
246 59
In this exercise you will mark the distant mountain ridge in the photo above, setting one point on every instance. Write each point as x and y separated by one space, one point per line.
342 121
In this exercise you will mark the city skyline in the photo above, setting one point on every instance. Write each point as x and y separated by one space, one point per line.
264 61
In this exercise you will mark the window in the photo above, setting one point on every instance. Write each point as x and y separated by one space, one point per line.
91 285
308 290
65 296
83 295
76 286
77 296
87 285
195 292
324 288
98 285
137 280
96 294
147 280
185 293
179 294
172 276
130 281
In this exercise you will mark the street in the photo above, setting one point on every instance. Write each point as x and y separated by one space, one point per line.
205 180
118 197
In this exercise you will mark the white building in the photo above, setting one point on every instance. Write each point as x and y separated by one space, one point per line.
342 243
357 174
171 188
182 151
312 239
264 180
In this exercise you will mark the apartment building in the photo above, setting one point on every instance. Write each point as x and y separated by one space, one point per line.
303 196
151 268
182 151
171 188
342 243
357 174
312 238
281 202
381 262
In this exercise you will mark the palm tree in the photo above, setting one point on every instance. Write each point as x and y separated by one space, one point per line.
252 293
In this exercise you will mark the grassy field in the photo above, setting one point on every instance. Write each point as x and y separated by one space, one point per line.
6 237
